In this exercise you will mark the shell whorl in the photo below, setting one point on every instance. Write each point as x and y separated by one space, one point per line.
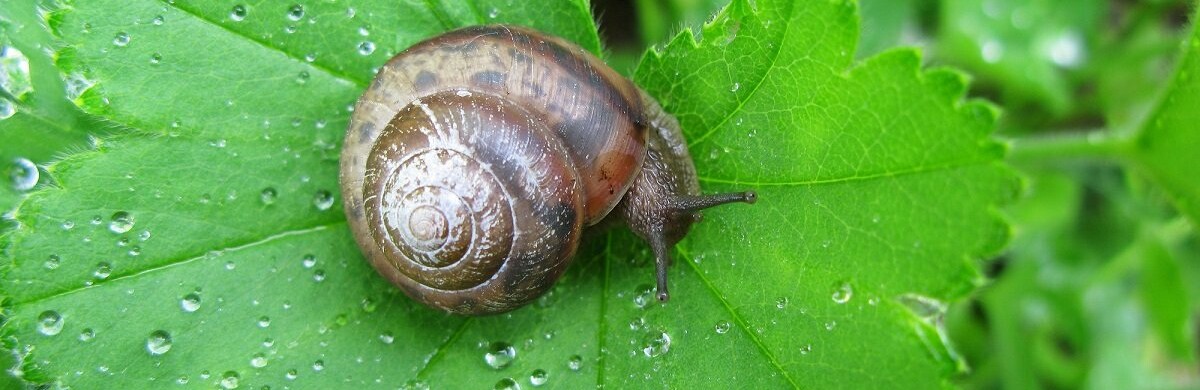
473 204
450 108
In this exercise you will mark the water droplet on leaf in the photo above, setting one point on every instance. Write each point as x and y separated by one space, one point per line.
159 342
538 377
295 12
50 323
238 13
121 39
23 174
121 222
499 355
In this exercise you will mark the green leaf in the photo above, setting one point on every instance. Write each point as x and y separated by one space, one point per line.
1165 298
204 248
1165 147
873 179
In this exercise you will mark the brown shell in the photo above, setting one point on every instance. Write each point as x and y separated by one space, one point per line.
474 160
597 112
470 204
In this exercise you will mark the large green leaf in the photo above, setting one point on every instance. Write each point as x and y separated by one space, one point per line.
204 247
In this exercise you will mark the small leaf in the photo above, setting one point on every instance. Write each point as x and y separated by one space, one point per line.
36 122
1166 146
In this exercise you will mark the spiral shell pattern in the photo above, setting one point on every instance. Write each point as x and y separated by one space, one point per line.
473 205
475 158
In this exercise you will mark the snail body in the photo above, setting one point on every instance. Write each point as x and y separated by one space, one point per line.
476 158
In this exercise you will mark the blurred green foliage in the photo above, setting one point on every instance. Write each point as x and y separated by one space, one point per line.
1100 285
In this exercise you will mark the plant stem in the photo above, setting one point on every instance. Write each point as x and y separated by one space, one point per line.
1097 144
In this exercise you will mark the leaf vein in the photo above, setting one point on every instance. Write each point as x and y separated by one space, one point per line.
737 318
848 179
335 74
752 92
174 263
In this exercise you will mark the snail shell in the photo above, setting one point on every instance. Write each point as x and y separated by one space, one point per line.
475 159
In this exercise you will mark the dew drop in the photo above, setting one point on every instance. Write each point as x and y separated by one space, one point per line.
308 261
499 355
87 335
259 360
295 12
637 324
155 58
264 322
190 303
50 323
121 39
23 174
103 270
494 13
302 77
507 384
52 262
575 363
830 325
722 327
387 337
68 225
538 377
781 303
318 365
319 276
805 349
843 293
657 345
120 222
158 20
238 13
735 87
268 195
14 70
291 374
229 380
643 296
366 48
159 342
323 200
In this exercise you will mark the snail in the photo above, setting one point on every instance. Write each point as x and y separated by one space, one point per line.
475 159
